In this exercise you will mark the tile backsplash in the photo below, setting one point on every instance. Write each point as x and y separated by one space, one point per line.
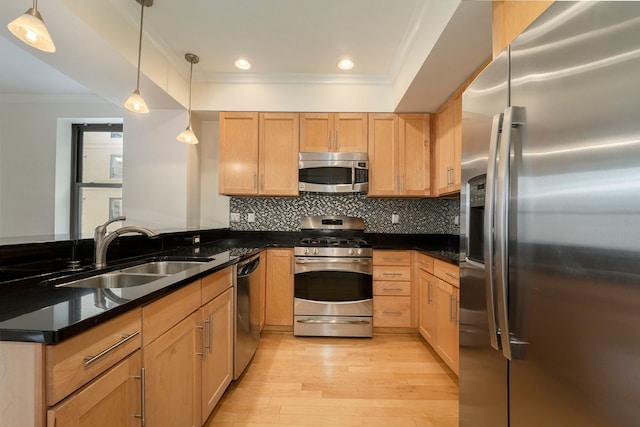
417 216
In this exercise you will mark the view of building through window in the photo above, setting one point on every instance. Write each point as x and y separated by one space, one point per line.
97 192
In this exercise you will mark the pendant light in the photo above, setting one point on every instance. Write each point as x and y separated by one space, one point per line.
187 136
136 102
30 29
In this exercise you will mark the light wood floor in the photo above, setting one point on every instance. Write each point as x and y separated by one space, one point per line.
388 380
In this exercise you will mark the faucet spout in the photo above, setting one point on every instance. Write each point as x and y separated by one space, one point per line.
102 240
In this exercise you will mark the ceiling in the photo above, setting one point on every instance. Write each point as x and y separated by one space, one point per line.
409 55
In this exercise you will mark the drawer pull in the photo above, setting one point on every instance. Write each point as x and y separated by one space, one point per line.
392 274
88 360
393 313
453 276
392 259
391 289
143 408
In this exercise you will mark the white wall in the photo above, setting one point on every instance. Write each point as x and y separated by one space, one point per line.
214 208
28 156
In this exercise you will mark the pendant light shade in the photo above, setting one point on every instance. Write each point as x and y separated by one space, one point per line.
187 136
135 102
30 29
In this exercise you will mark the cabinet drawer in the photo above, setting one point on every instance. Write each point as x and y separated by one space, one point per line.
424 262
383 287
216 283
161 315
392 311
448 272
76 361
381 257
392 273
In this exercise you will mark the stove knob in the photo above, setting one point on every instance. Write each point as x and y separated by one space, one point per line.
306 251
315 251
350 251
359 251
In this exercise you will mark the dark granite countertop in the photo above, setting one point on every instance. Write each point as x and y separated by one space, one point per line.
31 311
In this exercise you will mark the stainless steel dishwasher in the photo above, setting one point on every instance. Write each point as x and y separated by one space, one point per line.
247 312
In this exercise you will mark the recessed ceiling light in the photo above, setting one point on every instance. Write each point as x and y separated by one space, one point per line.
345 64
243 64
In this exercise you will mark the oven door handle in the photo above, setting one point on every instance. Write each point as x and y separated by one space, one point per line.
349 261
334 322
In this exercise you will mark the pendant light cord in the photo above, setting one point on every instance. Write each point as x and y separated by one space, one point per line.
190 81
139 46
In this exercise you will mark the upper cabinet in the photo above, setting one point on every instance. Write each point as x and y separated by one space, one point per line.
510 18
339 132
258 154
448 143
399 151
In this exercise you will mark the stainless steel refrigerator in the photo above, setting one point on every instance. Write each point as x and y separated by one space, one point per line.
550 225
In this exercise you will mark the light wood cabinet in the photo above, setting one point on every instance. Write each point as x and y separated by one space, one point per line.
399 155
392 289
114 399
447 146
446 297
279 287
217 358
172 376
510 18
78 360
238 153
259 154
439 307
427 304
338 132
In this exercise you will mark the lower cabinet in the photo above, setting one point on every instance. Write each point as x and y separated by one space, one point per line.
172 368
279 287
439 307
113 399
392 289
217 350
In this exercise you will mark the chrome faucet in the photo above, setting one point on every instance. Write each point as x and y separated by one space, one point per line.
101 239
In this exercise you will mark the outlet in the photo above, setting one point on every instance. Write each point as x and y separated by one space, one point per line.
251 217
234 217
195 240
456 220
395 218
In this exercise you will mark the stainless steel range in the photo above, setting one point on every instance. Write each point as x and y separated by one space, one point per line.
333 279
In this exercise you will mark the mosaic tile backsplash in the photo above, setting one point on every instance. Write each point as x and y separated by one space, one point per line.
417 216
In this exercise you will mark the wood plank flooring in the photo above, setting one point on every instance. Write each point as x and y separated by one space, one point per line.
388 380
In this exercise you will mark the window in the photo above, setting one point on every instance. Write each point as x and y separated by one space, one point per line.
96 176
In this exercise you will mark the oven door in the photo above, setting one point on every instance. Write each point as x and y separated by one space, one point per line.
333 286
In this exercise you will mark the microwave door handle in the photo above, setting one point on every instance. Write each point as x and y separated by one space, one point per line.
353 176
489 217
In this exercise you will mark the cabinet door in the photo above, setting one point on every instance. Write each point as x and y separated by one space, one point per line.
279 287
427 306
446 327
316 132
172 371
456 159
383 154
350 132
278 149
238 155
444 150
111 400
217 362
414 154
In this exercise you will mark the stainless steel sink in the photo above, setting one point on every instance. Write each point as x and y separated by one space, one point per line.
113 280
162 267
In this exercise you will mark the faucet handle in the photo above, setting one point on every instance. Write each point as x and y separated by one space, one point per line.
102 229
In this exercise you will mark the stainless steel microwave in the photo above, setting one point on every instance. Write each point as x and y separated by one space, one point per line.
333 172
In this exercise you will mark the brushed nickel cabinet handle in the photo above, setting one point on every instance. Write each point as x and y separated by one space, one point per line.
143 408
88 360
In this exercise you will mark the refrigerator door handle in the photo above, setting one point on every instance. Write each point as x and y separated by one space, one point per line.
514 117
490 196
